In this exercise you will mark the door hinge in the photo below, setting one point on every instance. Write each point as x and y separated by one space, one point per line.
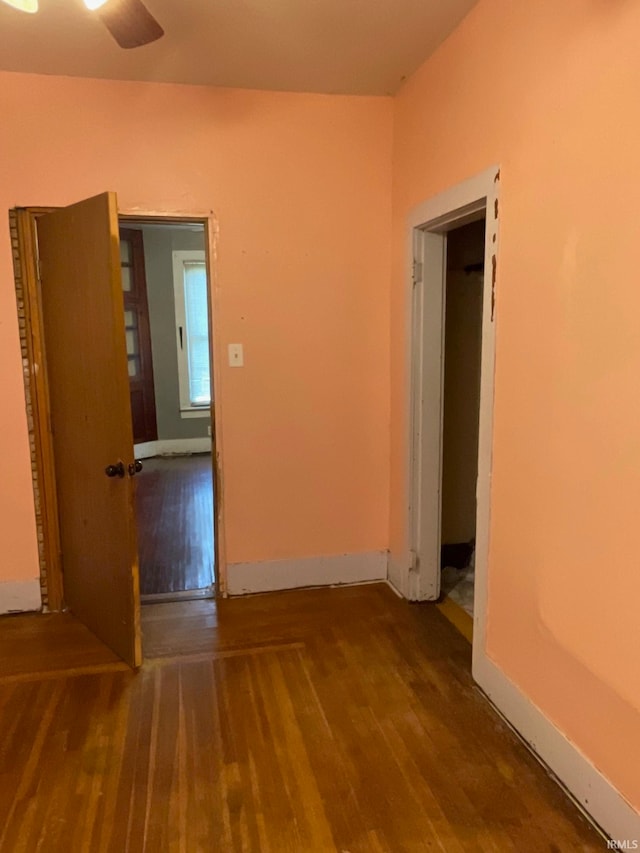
417 272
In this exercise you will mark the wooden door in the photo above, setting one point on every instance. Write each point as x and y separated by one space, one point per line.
138 336
86 364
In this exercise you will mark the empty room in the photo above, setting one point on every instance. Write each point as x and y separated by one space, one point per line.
312 316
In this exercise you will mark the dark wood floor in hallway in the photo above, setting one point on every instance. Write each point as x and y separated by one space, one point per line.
174 509
309 721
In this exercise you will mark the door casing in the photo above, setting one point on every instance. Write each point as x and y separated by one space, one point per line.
26 218
418 578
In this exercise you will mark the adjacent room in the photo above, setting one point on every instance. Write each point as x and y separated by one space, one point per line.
165 289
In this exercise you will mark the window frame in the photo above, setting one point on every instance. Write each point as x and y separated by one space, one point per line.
180 257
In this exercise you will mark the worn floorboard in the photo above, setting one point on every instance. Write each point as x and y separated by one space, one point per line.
319 720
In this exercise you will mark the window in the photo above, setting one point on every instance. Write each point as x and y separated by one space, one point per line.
192 332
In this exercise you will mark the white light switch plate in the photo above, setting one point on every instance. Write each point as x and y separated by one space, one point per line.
236 355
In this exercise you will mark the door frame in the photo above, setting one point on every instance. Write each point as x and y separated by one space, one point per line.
426 230
37 389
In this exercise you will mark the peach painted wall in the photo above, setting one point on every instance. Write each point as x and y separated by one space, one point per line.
301 187
550 92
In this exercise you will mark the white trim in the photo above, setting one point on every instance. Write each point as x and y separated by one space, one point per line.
180 258
428 287
393 589
270 575
592 791
20 596
399 566
167 447
196 412
448 209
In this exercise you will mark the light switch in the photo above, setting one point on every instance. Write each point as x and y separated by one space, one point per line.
236 355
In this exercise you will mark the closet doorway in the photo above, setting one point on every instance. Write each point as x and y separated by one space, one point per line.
452 255
464 287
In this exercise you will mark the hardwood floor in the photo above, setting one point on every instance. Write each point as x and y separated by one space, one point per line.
174 504
38 646
318 720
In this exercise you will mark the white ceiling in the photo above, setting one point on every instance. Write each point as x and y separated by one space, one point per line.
362 47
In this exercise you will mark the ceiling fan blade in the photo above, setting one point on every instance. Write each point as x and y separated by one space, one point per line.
129 22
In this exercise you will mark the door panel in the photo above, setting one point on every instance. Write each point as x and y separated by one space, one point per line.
427 381
86 363
138 336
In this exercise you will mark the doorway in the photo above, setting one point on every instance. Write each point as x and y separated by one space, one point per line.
75 332
461 411
166 297
434 487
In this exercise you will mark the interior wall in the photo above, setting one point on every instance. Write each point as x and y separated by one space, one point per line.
461 398
300 186
548 91
159 245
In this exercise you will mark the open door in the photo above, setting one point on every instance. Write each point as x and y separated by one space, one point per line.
86 363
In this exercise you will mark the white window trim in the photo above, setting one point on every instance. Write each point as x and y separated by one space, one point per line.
180 257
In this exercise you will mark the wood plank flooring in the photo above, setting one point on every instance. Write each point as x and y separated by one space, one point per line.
174 508
48 645
318 720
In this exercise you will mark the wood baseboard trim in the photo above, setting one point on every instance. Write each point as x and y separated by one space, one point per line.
272 575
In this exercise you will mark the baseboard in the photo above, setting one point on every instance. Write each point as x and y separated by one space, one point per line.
20 596
591 790
393 589
169 446
397 573
271 575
